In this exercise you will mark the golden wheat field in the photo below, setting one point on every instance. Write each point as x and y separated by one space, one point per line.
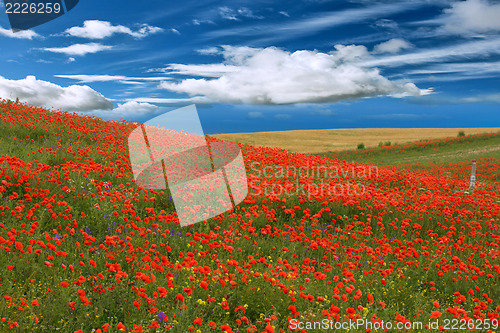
318 141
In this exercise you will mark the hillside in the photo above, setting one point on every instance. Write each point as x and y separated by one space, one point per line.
84 249
451 157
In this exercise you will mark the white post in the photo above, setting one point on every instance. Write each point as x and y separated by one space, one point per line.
473 175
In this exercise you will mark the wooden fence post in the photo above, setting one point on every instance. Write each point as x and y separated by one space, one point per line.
473 175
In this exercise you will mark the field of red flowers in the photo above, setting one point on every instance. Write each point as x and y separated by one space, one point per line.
84 249
487 167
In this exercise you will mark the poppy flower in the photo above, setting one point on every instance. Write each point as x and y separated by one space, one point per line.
435 314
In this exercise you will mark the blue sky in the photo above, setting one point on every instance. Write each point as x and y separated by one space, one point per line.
265 65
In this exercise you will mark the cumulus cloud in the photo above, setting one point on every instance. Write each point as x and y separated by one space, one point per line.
394 45
476 16
95 29
134 107
274 76
79 49
49 95
23 34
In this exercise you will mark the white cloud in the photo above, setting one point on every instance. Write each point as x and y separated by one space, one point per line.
84 78
79 49
320 22
284 13
473 16
200 21
463 51
273 76
394 45
227 13
458 71
235 15
135 108
209 51
95 29
50 95
131 110
23 34
245 12
448 99
211 70
146 30
175 31
160 100
350 53
387 24
487 98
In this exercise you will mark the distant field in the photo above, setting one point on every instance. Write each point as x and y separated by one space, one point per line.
452 149
449 156
319 141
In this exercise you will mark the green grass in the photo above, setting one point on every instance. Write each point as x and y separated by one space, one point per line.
451 150
241 229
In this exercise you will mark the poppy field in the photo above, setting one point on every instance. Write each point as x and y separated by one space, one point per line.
85 249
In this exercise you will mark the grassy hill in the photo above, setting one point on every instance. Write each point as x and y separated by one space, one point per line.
84 249
450 157
451 150
320 141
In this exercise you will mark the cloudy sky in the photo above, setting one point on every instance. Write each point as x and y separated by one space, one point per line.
265 65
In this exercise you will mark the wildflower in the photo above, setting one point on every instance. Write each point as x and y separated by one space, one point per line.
435 314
